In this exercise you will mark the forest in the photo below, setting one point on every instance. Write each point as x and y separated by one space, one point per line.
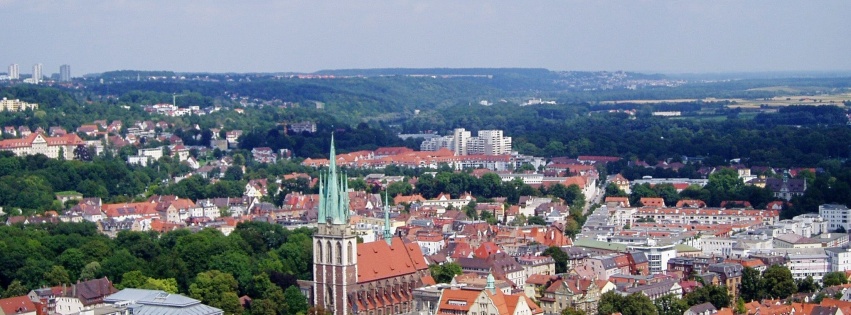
260 260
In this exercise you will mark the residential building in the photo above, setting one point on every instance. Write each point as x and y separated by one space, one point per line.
541 265
657 254
786 188
14 72
18 305
475 301
656 290
837 216
37 75
576 292
839 257
731 276
487 142
16 105
64 73
303 126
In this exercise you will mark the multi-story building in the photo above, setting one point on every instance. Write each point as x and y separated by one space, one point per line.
840 258
7 105
731 276
14 72
64 73
491 142
37 73
803 262
459 141
475 301
579 293
836 215
38 143
657 254
707 215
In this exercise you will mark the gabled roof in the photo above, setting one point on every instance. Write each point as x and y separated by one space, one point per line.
457 300
378 260
16 305
94 289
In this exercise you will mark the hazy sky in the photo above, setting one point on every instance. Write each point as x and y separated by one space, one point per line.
311 35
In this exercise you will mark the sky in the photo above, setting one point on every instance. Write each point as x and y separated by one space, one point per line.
305 36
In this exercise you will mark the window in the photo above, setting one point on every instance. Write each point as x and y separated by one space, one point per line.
339 253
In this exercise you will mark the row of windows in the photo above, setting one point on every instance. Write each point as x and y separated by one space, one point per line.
328 256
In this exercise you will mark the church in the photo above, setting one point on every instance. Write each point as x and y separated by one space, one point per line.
375 278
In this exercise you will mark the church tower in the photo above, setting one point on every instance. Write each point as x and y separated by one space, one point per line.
334 244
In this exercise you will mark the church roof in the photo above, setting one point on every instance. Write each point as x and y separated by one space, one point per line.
378 260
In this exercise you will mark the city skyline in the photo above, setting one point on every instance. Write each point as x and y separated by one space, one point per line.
303 36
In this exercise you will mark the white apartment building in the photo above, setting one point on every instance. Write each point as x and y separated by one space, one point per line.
37 73
836 215
529 179
707 215
657 254
487 142
722 246
803 262
14 72
840 258
460 137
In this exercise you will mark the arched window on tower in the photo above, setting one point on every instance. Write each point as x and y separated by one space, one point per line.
328 253
350 253
339 253
319 251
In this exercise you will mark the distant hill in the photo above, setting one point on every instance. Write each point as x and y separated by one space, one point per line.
527 72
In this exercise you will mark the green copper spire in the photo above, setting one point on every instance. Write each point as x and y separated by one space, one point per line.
490 284
333 193
387 236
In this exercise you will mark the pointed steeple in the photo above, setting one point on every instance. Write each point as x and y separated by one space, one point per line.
387 236
333 193
490 284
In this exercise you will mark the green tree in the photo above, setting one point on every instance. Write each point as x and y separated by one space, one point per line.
778 282
263 307
445 273
296 303
751 288
15 289
216 289
807 285
91 271
834 278
612 190
57 275
168 285
536 220
633 304
715 294
559 256
132 279
670 305
740 306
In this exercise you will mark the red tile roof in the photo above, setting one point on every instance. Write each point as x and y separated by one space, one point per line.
17 305
378 260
